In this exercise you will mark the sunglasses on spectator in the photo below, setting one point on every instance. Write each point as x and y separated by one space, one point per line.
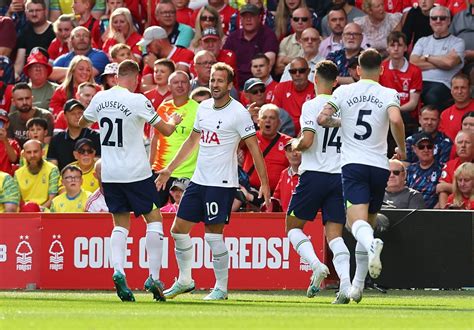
85 151
256 91
302 19
426 146
396 172
72 178
299 70
208 18
439 18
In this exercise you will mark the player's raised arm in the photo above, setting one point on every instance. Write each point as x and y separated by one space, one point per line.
398 130
167 127
326 117
182 154
252 145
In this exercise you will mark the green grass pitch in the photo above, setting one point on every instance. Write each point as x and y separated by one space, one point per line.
269 310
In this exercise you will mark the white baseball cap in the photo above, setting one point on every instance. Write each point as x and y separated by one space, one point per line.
150 34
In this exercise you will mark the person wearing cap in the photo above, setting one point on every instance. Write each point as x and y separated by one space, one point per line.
61 147
38 69
424 175
225 13
109 77
179 34
38 32
37 179
155 44
309 41
291 45
271 142
251 39
164 148
254 92
266 15
464 142
397 194
74 197
9 194
24 111
126 173
9 148
290 95
176 191
289 177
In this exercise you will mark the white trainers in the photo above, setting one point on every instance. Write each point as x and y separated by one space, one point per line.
342 297
216 294
356 293
319 274
375 265
177 289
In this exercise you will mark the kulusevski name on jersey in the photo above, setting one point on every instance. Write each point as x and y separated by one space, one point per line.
221 130
115 105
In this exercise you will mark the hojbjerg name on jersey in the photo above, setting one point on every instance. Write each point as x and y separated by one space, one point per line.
113 105
365 98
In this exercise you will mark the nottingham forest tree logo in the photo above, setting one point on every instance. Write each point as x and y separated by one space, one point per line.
24 251
56 250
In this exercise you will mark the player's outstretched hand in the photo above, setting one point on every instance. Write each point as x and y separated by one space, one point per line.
163 177
265 193
175 119
399 155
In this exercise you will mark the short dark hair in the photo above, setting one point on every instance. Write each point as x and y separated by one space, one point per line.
165 62
461 75
327 70
37 121
72 168
467 114
370 59
221 66
395 36
339 7
21 85
429 107
261 56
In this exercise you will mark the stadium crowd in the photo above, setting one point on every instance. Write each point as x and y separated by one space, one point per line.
56 55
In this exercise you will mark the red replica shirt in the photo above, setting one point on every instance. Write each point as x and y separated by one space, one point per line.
285 96
184 16
5 164
155 97
275 160
56 49
93 25
451 119
131 41
269 89
467 203
285 187
447 175
455 6
178 55
225 13
405 81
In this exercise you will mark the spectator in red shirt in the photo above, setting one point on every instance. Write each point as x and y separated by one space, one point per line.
451 117
290 95
225 12
261 69
288 178
9 148
62 28
272 144
83 10
211 41
464 142
463 192
206 18
162 70
183 12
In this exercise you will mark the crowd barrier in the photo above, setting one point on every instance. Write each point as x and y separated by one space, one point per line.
71 251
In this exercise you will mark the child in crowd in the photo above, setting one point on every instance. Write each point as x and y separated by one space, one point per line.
74 199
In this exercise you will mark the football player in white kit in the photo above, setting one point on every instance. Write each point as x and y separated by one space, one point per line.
221 123
366 111
320 187
126 173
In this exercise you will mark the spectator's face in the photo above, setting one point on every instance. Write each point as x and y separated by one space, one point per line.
166 14
32 153
439 21
155 47
35 14
396 180
64 31
161 75
301 20
176 193
468 124
377 10
352 36
256 94
212 45
85 156
80 7
120 25
207 20
269 121
424 151
465 185
260 68
122 55
460 90
72 181
426 5
114 4
82 73
293 156
85 95
219 85
299 72
203 66
464 146
179 85
396 49
179 4
38 74
23 100
336 21
81 40
250 22
292 4
310 40
73 116
429 121
36 132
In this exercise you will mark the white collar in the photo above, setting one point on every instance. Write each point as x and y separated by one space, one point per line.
404 67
